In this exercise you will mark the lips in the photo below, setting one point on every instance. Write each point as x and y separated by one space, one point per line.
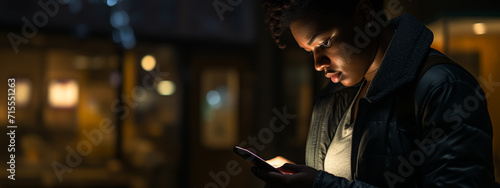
334 76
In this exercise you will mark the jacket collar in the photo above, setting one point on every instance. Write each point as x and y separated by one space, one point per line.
405 54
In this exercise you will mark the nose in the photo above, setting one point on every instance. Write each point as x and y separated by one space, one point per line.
320 61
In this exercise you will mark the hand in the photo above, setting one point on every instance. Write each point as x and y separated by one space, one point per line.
300 176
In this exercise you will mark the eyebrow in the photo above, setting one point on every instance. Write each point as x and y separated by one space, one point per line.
312 39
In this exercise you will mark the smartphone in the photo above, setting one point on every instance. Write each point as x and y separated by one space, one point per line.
254 159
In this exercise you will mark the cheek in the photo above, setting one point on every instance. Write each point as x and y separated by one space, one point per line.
353 71
338 55
343 58
344 53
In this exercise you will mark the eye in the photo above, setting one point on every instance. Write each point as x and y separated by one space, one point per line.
326 44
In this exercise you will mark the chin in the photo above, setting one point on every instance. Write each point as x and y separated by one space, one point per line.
347 83
350 82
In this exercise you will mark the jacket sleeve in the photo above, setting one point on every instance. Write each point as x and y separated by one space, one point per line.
457 131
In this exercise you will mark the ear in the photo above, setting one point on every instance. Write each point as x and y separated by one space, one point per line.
363 9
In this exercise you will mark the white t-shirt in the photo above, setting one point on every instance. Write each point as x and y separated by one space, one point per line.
338 157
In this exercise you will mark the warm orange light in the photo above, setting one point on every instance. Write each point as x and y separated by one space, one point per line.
278 161
479 28
63 94
148 62
23 92
166 87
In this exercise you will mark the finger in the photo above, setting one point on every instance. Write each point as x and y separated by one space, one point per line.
290 168
287 171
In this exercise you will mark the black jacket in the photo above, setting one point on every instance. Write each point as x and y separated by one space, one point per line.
452 146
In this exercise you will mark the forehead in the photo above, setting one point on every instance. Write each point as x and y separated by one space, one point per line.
304 30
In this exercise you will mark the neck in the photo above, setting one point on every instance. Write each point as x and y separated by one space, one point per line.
383 43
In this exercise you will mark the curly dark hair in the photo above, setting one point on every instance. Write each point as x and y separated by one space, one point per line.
280 13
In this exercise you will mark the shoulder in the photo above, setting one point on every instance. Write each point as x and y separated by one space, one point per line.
446 76
448 96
